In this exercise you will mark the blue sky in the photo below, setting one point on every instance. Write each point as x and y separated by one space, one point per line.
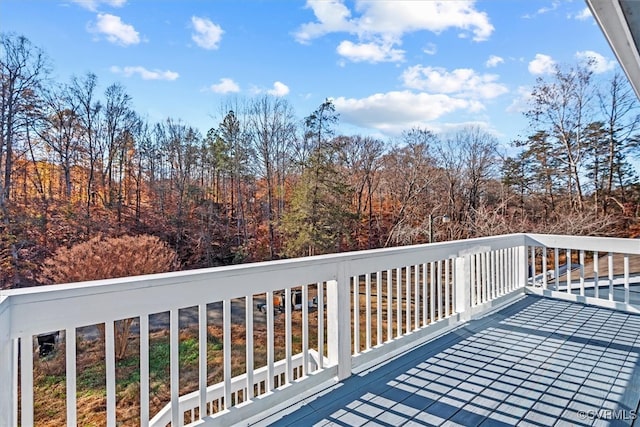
388 65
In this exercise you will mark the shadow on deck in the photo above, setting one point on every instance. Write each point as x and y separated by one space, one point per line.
537 362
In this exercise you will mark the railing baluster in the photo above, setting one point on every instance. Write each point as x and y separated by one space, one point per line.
556 273
407 314
174 359
610 268
544 267
202 358
270 343
568 271
389 305
513 268
144 370
305 329
506 259
432 292
379 307
447 283
507 270
485 277
320 299
478 274
416 296
226 351
26 380
439 289
494 274
533 264
288 308
368 310
582 273
399 302
626 278
474 285
596 274
70 341
248 320
356 314
500 271
15 361
110 367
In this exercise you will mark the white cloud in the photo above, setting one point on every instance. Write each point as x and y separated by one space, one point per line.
279 89
493 61
521 101
92 5
207 35
226 85
462 81
542 64
115 30
399 17
369 52
583 15
430 49
596 62
381 25
332 15
145 74
545 9
393 111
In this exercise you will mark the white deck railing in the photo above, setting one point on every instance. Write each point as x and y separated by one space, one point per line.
371 305
591 270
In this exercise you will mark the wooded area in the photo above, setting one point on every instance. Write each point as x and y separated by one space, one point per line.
78 162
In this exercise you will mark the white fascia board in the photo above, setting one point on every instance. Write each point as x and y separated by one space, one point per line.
614 25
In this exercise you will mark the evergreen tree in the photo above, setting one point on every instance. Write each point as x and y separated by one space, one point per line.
319 217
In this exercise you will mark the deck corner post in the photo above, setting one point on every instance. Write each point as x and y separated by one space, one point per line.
463 287
339 323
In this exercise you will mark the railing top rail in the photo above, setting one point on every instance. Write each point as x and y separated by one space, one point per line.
451 248
54 307
587 243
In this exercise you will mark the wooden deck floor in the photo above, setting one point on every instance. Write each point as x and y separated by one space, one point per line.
538 362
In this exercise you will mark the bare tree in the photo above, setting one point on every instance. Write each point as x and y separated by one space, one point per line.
88 111
117 118
562 107
619 107
272 128
23 70
363 156
409 177
60 129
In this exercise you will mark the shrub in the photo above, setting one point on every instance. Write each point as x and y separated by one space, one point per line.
107 258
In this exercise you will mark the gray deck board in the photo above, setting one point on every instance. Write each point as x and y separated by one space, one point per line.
537 362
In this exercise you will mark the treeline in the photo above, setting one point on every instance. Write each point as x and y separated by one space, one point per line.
77 161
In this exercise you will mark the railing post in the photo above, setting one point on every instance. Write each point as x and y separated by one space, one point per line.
8 368
339 323
463 287
523 263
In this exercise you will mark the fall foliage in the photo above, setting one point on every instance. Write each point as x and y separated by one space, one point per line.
77 161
